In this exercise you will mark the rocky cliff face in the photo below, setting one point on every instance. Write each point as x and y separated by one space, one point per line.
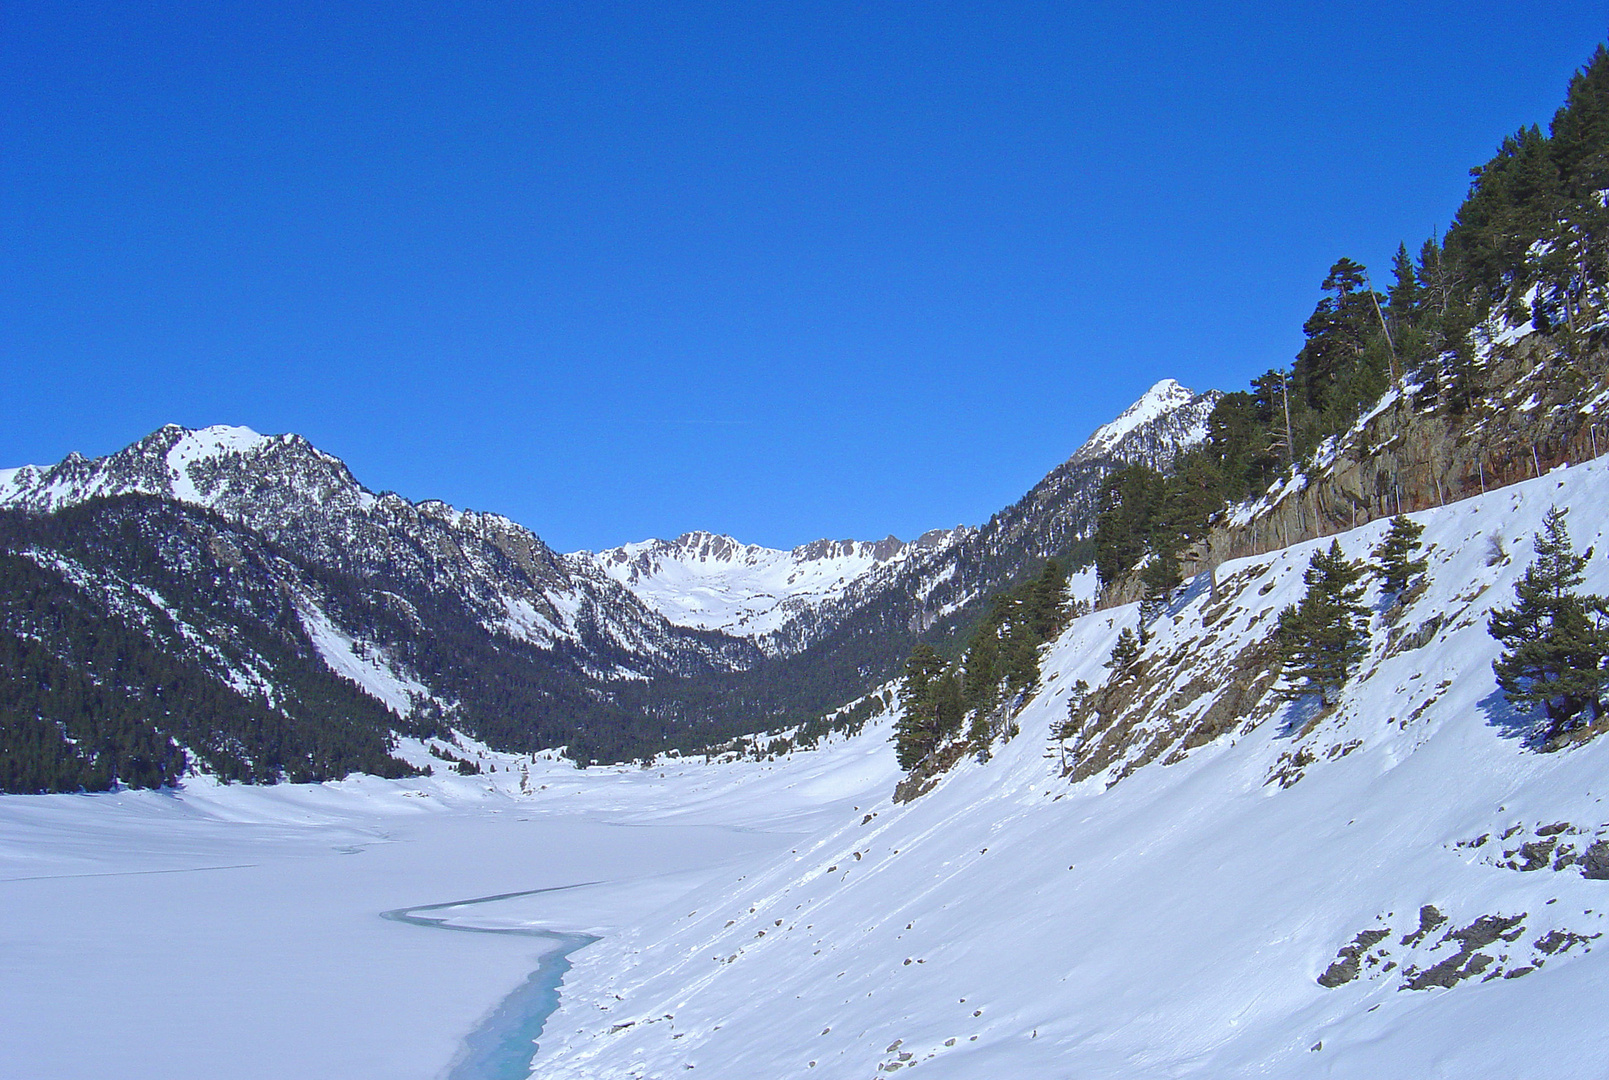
1540 408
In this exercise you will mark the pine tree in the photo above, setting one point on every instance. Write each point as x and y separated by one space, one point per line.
1405 290
1554 640
1047 602
982 679
1237 441
949 707
917 732
1160 576
1396 566
1324 637
1022 660
1125 651
1131 498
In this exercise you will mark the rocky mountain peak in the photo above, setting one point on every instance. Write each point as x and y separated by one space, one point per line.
1167 418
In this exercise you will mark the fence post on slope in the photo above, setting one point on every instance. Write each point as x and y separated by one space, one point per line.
1480 463
1536 461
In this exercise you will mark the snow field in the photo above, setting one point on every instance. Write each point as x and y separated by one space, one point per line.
716 583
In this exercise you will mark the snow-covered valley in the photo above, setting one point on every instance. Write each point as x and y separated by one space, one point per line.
1169 914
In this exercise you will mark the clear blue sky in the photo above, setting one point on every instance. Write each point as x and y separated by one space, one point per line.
782 271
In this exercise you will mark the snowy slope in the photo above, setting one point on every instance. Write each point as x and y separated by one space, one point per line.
1175 922
1174 917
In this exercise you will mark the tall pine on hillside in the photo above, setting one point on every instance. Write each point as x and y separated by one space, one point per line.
1554 639
1395 564
1323 638
917 732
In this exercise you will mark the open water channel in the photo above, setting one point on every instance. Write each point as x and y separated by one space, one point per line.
503 1045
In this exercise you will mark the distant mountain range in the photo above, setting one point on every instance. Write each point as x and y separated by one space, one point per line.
453 618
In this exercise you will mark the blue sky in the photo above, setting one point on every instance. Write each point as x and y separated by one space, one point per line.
782 271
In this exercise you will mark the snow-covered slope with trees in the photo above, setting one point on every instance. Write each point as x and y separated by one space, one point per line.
1227 884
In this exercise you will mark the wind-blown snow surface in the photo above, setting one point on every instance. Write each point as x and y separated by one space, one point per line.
1175 923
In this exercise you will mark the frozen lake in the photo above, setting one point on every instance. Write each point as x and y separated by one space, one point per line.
236 932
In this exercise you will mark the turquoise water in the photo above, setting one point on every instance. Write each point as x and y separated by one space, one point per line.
502 1047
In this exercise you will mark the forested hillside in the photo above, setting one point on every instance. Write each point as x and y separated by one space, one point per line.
1516 284
1482 362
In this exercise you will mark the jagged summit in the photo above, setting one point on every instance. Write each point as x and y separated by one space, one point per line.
224 468
713 582
702 546
1167 418
1165 396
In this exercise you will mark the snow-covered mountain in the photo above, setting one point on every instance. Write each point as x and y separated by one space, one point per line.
298 497
1167 418
938 586
717 583
470 614
260 563
825 593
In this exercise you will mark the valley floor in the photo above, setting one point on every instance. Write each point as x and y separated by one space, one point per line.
234 932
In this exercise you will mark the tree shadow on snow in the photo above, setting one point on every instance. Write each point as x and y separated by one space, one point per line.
1299 714
1512 723
1199 586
